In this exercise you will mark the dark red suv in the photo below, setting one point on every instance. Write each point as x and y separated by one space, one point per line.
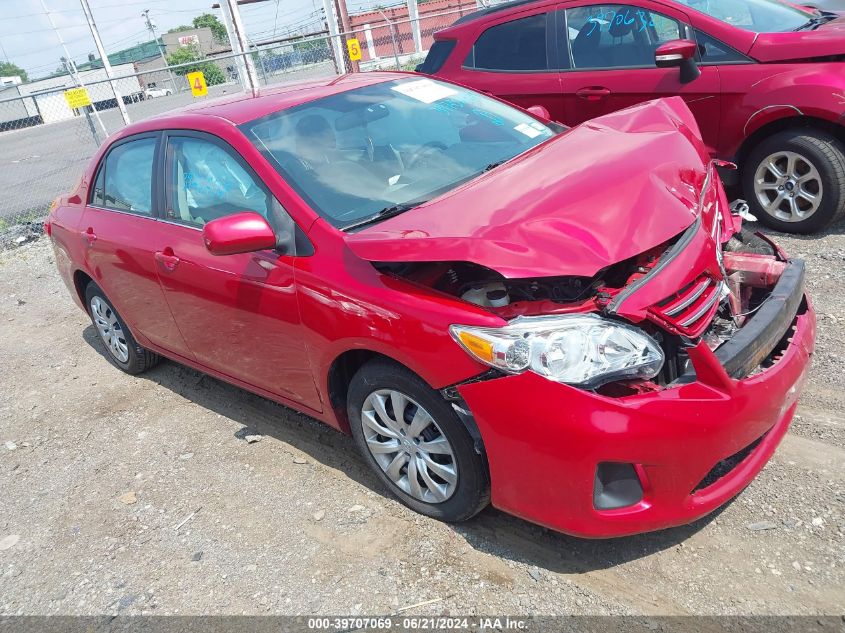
765 81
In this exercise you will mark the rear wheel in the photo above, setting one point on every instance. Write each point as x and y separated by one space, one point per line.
415 443
121 347
794 181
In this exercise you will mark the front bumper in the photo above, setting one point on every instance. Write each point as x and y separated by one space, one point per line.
545 440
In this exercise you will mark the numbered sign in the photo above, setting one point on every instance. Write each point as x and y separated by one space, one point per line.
77 98
197 82
354 47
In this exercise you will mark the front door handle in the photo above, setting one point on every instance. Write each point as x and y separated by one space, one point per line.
593 93
89 236
167 259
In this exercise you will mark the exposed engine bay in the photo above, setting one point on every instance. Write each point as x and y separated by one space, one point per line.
751 267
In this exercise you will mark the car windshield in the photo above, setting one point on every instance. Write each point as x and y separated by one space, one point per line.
365 154
759 16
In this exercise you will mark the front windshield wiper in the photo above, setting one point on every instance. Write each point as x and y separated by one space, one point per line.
814 23
387 212
494 165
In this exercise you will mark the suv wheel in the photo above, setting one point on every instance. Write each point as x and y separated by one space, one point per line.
795 181
121 348
415 443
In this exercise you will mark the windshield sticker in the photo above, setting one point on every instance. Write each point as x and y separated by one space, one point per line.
642 19
424 90
528 130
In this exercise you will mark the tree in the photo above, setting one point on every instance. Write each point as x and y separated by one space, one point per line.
8 69
218 30
180 28
188 54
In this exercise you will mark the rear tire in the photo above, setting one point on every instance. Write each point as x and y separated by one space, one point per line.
794 181
428 463
120 346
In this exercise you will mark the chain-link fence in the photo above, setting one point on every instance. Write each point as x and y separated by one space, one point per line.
45 143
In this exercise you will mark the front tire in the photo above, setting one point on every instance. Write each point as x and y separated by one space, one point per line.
415 443
121 348
794 181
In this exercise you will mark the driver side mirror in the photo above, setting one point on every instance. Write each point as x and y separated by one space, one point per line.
239 233
681 54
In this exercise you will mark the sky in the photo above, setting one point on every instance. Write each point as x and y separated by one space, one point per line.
27 40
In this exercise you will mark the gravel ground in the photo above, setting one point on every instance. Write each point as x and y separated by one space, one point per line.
141 495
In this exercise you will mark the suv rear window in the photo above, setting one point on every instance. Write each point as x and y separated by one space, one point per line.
515 45
437 56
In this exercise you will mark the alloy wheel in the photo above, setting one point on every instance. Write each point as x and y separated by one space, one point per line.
788 186
110 330
409 446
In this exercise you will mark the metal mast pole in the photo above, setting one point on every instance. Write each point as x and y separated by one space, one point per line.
106 65
71 68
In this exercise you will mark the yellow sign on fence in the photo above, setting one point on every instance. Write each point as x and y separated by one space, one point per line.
197 82
77 98
354 47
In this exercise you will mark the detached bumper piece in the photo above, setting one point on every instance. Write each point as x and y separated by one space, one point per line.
762 333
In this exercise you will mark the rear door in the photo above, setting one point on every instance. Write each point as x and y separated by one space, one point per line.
238 313
515 59
119 231
611 52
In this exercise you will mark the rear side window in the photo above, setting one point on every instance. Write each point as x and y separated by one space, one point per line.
437 56
125 179
513 46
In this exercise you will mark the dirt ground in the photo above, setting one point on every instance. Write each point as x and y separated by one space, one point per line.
133 495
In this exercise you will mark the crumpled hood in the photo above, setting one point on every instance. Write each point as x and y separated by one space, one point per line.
605 191
827 40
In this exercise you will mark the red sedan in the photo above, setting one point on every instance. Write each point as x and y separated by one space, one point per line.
569 323
764 79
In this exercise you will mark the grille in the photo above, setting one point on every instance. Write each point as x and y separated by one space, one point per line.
690 310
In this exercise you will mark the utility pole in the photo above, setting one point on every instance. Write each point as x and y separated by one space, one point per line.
337 47
414 15
106 65
74 75
240 46
347 29
152 29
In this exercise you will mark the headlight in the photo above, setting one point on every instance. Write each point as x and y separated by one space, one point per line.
584 350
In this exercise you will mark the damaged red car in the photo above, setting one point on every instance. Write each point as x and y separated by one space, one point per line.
569 324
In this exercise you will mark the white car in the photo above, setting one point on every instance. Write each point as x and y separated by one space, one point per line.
152 92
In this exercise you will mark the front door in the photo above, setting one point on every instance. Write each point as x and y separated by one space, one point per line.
238 313
611 48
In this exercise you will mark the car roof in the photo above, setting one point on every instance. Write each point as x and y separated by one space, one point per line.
504 6
241 107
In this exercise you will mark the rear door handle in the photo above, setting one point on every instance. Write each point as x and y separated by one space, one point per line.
593 93
167 259
89 235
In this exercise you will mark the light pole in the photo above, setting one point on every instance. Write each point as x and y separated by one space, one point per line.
106 65
152 28
392 38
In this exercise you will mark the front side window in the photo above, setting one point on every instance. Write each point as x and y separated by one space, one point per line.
512 46
377 150
759 16
617 35
713 51
125 178
205 181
